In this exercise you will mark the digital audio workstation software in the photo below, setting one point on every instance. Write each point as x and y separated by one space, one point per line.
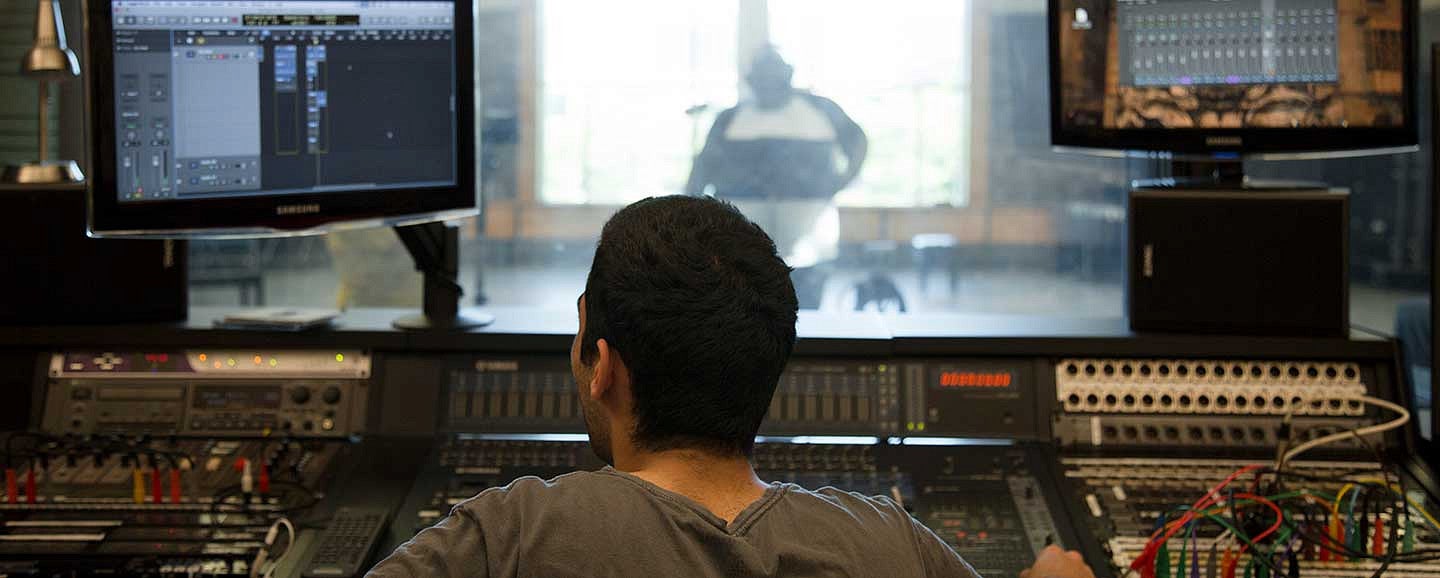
1138 64
229 98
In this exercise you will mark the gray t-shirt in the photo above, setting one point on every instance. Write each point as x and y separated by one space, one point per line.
609 523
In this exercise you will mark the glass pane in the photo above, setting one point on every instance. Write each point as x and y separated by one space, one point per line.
627 89
946 214
910 97
959 204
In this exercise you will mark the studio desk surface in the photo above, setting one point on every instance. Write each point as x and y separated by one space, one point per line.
546 330
430 409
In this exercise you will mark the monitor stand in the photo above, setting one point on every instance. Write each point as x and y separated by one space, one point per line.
436 250
1221 174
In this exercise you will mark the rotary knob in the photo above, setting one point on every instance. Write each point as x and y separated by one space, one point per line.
300 395
331 395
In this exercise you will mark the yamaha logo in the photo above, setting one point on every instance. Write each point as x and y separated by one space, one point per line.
309 209
1224 141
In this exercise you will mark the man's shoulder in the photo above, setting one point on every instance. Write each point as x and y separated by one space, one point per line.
860 507
532 491
727 115
824 104
815 99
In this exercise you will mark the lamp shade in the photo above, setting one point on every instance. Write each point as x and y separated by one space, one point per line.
49 58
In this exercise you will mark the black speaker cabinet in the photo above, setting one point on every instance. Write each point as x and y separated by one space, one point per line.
1243 262
55 274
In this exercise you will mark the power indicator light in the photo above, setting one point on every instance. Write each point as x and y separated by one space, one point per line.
274 362
230 362
203 357
339 358
258 360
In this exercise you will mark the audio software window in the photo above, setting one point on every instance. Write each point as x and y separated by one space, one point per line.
217 114
218 100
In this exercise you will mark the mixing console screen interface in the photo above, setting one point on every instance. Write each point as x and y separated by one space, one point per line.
1189 43
222 99
1206 64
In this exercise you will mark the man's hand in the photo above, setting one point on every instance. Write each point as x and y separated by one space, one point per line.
1057 563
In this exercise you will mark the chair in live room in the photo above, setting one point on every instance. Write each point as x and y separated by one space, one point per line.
937 252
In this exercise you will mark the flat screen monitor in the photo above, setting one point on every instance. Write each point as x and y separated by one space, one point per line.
265 116
1233 76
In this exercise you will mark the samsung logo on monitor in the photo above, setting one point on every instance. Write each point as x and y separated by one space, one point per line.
309 209
1224 141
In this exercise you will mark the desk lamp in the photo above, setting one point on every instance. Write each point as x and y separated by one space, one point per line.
49 59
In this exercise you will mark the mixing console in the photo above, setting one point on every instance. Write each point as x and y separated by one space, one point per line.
190 462
991 505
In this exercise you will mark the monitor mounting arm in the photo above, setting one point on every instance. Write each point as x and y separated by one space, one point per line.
436 250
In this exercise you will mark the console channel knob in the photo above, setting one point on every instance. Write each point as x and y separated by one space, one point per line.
331 395
300 395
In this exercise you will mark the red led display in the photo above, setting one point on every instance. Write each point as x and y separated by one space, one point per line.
975 379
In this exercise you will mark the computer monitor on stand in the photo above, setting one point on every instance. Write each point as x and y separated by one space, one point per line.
1208 84
281 117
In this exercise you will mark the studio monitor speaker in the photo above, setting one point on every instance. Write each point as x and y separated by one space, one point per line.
1242 262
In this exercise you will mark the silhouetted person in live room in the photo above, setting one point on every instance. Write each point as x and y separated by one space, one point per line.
774 158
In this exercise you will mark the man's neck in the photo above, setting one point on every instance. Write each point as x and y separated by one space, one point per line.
725 485
772 105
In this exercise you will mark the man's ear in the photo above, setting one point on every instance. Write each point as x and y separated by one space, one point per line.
601 380
610 372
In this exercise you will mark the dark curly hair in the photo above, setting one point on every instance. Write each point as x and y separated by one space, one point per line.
696 300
